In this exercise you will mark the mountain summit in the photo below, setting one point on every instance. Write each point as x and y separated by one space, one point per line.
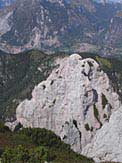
76 102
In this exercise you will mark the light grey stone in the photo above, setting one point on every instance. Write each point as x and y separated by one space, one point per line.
70 103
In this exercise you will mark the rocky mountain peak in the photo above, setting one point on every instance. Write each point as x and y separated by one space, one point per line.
75 101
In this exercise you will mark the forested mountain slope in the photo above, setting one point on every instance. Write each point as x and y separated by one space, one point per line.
60 25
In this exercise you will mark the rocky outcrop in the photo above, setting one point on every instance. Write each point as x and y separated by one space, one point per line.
107 143
76 102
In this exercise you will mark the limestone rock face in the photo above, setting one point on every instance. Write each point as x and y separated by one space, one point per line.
107 143
75 101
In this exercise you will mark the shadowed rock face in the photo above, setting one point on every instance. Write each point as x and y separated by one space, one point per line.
75 101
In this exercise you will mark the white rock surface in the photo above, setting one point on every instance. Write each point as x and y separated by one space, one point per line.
107 143
74 102
4 23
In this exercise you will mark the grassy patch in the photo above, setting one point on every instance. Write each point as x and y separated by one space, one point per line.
96 114
104 101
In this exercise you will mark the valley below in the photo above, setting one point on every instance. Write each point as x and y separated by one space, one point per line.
77 96
60 81
62 26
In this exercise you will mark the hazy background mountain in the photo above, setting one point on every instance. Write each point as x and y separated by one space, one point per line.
4 3
29 27
70 26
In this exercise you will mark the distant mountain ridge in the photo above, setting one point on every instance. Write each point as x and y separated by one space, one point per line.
60 25
4 3
108 1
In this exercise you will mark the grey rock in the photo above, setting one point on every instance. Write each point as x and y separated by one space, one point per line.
75 101
107 143
12 126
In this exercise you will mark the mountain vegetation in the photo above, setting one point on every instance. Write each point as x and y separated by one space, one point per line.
61 25
20 73
80 101
35 145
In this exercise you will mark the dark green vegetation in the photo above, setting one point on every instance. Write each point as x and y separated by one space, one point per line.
104 100
87 127
113 68
96 114
20 73
18 76
35 145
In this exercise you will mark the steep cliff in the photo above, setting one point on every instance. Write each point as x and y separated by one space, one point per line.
107 143
75 102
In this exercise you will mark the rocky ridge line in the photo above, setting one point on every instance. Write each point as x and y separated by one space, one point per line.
76 102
